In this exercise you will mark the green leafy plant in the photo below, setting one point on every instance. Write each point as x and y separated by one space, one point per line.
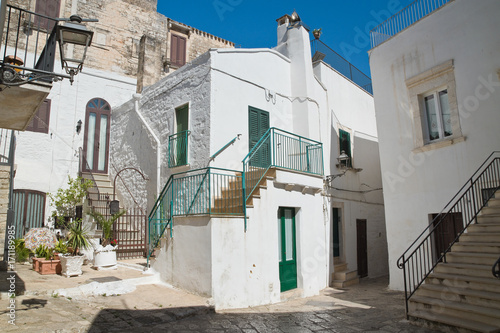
43 251
66 200
61 247
78 237
106 224
22 253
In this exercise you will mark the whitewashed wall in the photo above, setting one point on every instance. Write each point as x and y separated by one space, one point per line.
44 161
417 184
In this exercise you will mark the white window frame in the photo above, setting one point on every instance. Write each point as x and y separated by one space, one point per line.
438 78
439 115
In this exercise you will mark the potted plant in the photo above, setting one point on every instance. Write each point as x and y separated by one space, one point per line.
45 263
66 200
78 239
316 33
105 254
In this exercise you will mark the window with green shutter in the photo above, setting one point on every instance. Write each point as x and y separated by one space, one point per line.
258 124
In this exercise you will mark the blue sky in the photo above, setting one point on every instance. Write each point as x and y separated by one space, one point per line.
252 23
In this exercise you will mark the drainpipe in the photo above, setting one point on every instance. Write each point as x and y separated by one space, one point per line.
137 98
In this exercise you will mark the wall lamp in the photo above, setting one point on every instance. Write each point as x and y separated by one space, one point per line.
78 126
74 39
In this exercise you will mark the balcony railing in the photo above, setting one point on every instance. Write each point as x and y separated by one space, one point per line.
281 149
7 146
178 149
343 66
28 48
409 15
208 191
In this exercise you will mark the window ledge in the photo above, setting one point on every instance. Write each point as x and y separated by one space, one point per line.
439 144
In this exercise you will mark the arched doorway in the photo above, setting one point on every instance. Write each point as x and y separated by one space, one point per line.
96 140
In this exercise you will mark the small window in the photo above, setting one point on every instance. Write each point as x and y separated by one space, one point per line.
434 108
40 121
437 111
177 51
345 146
48 8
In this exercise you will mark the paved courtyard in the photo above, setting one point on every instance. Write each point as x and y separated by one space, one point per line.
153 307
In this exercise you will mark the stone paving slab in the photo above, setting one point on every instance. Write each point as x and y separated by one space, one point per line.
368 307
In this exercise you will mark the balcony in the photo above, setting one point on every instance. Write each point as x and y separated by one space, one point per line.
178 149
408 16
27 55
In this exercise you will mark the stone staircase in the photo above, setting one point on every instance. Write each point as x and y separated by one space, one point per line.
462 292
341 276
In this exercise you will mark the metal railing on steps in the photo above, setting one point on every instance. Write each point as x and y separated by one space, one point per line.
420 259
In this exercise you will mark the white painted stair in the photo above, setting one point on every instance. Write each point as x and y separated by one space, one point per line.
462 292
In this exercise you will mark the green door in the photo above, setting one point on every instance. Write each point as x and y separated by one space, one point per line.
181 115
258 124
287 252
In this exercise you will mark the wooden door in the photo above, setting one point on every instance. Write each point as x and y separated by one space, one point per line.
287 249
96 140
362 248
446 232
336 232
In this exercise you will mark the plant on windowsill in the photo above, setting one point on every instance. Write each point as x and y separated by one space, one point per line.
105 254
78 239
66 200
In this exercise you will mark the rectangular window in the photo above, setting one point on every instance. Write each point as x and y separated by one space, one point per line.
177 51
178 143
345 146
437 111
40 121
48 8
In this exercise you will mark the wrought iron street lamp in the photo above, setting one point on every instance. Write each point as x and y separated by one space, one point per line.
74 39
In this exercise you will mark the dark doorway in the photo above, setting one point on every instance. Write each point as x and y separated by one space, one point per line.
362 248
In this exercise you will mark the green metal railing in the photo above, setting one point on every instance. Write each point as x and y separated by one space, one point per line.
278 148
207 191
178 149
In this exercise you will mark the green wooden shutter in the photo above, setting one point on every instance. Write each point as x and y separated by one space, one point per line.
29 210
258 124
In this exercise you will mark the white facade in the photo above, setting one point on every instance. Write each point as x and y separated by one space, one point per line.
44 160
455 48
216 256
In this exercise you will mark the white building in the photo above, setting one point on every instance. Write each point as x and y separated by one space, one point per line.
281 115
435 73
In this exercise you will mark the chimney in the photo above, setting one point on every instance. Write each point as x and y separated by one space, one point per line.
294 43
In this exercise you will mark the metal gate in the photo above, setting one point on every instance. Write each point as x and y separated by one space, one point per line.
130 232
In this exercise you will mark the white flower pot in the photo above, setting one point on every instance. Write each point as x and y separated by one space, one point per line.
71 265
105 260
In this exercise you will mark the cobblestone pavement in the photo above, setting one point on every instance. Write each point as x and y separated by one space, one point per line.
368 307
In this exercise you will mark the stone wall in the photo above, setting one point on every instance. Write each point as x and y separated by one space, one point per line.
132 38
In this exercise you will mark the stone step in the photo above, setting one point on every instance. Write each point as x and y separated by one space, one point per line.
455 294
495 209
486 237
453 321
476 247
472 258
490 218
340 267
345 275
464 269
344 284
488 227
477 313
489 284
494 202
